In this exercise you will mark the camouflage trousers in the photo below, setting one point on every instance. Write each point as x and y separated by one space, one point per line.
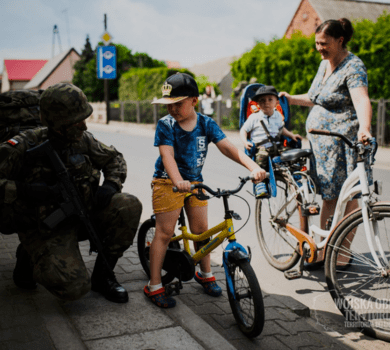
263 153
55 254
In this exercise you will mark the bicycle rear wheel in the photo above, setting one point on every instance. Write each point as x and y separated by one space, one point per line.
247 301
359 288
277 244
144 241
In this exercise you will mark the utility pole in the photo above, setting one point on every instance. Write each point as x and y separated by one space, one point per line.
106 84
106 65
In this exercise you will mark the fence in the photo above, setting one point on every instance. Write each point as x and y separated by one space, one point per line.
146 113
226 114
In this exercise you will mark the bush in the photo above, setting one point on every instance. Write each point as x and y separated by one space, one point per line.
144 83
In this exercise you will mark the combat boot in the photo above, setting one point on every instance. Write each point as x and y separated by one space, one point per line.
23 272
105 283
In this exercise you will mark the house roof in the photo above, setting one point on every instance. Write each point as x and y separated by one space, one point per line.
23 69
47 69
214 70
351 9
172 64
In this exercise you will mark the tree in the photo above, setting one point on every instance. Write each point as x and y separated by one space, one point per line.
85 76
291 64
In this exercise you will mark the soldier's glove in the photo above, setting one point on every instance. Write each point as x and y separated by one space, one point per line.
104 194
37 192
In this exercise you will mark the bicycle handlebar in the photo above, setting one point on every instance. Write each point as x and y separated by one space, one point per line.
220 193
330 133
358 145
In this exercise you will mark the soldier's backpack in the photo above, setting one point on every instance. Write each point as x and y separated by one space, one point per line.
19 111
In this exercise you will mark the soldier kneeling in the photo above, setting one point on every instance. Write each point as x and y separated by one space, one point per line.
30 193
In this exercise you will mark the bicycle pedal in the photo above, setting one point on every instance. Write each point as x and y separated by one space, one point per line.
173 287
293 274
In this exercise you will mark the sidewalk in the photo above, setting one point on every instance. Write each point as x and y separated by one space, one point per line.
37 320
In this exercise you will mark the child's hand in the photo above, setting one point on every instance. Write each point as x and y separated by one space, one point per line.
295 137
248 145
258 174
183 186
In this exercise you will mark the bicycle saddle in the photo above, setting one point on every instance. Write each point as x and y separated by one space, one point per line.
294 154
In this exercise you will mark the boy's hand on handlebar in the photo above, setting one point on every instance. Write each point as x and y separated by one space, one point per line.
258 174
183 186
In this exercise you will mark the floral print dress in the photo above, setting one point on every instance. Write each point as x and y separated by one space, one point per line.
333 160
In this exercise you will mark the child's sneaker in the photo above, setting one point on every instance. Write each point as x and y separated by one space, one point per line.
210 286
160 298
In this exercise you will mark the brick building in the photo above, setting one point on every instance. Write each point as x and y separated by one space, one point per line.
311 13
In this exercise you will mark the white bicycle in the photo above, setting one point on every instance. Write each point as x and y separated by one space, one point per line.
356 247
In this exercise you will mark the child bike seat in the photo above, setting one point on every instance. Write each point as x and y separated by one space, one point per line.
294 154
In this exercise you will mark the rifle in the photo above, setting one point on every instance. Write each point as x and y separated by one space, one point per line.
72 204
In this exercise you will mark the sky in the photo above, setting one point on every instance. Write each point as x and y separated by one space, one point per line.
188 31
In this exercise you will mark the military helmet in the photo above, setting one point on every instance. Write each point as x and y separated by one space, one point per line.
63 104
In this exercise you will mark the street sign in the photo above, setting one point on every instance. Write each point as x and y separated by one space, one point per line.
106 62
106 37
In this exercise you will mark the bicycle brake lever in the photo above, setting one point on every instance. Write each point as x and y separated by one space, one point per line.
201 196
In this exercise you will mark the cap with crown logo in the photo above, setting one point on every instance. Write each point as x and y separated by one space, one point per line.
265 90
178 87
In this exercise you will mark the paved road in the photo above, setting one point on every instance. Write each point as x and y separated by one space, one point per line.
136 145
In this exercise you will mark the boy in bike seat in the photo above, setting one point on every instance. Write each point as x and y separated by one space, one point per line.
182 138
267 99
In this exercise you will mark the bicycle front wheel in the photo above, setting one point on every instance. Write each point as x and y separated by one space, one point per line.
144 241
278 245
246 301
361 289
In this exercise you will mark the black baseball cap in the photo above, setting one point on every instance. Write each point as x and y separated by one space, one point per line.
178 87
265 90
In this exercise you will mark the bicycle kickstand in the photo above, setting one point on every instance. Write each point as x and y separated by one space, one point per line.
297 273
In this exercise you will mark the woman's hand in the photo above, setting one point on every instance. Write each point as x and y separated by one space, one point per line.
258 174
364 136
286 95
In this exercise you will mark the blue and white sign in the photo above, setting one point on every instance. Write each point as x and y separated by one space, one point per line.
106 62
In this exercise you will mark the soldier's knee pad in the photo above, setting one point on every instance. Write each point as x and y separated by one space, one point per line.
127 204
68 282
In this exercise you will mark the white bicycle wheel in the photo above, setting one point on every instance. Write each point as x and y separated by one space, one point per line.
360 289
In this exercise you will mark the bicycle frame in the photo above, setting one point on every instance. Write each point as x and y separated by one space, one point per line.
225 230
356 183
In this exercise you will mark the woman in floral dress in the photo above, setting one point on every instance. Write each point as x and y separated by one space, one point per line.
339 96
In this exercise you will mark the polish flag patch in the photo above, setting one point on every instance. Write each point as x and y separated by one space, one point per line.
13 142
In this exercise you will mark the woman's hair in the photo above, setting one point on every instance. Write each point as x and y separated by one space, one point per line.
337 28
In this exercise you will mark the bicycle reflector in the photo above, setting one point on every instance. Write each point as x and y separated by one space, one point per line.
304 168
378 187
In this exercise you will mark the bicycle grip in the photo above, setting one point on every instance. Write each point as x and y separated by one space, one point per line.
174 189
319 132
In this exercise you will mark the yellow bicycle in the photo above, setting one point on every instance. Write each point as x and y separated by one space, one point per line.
243 289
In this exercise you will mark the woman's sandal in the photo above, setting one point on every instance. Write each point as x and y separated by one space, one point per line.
160 298
210 286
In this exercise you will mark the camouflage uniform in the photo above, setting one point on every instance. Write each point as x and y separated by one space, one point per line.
56 259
